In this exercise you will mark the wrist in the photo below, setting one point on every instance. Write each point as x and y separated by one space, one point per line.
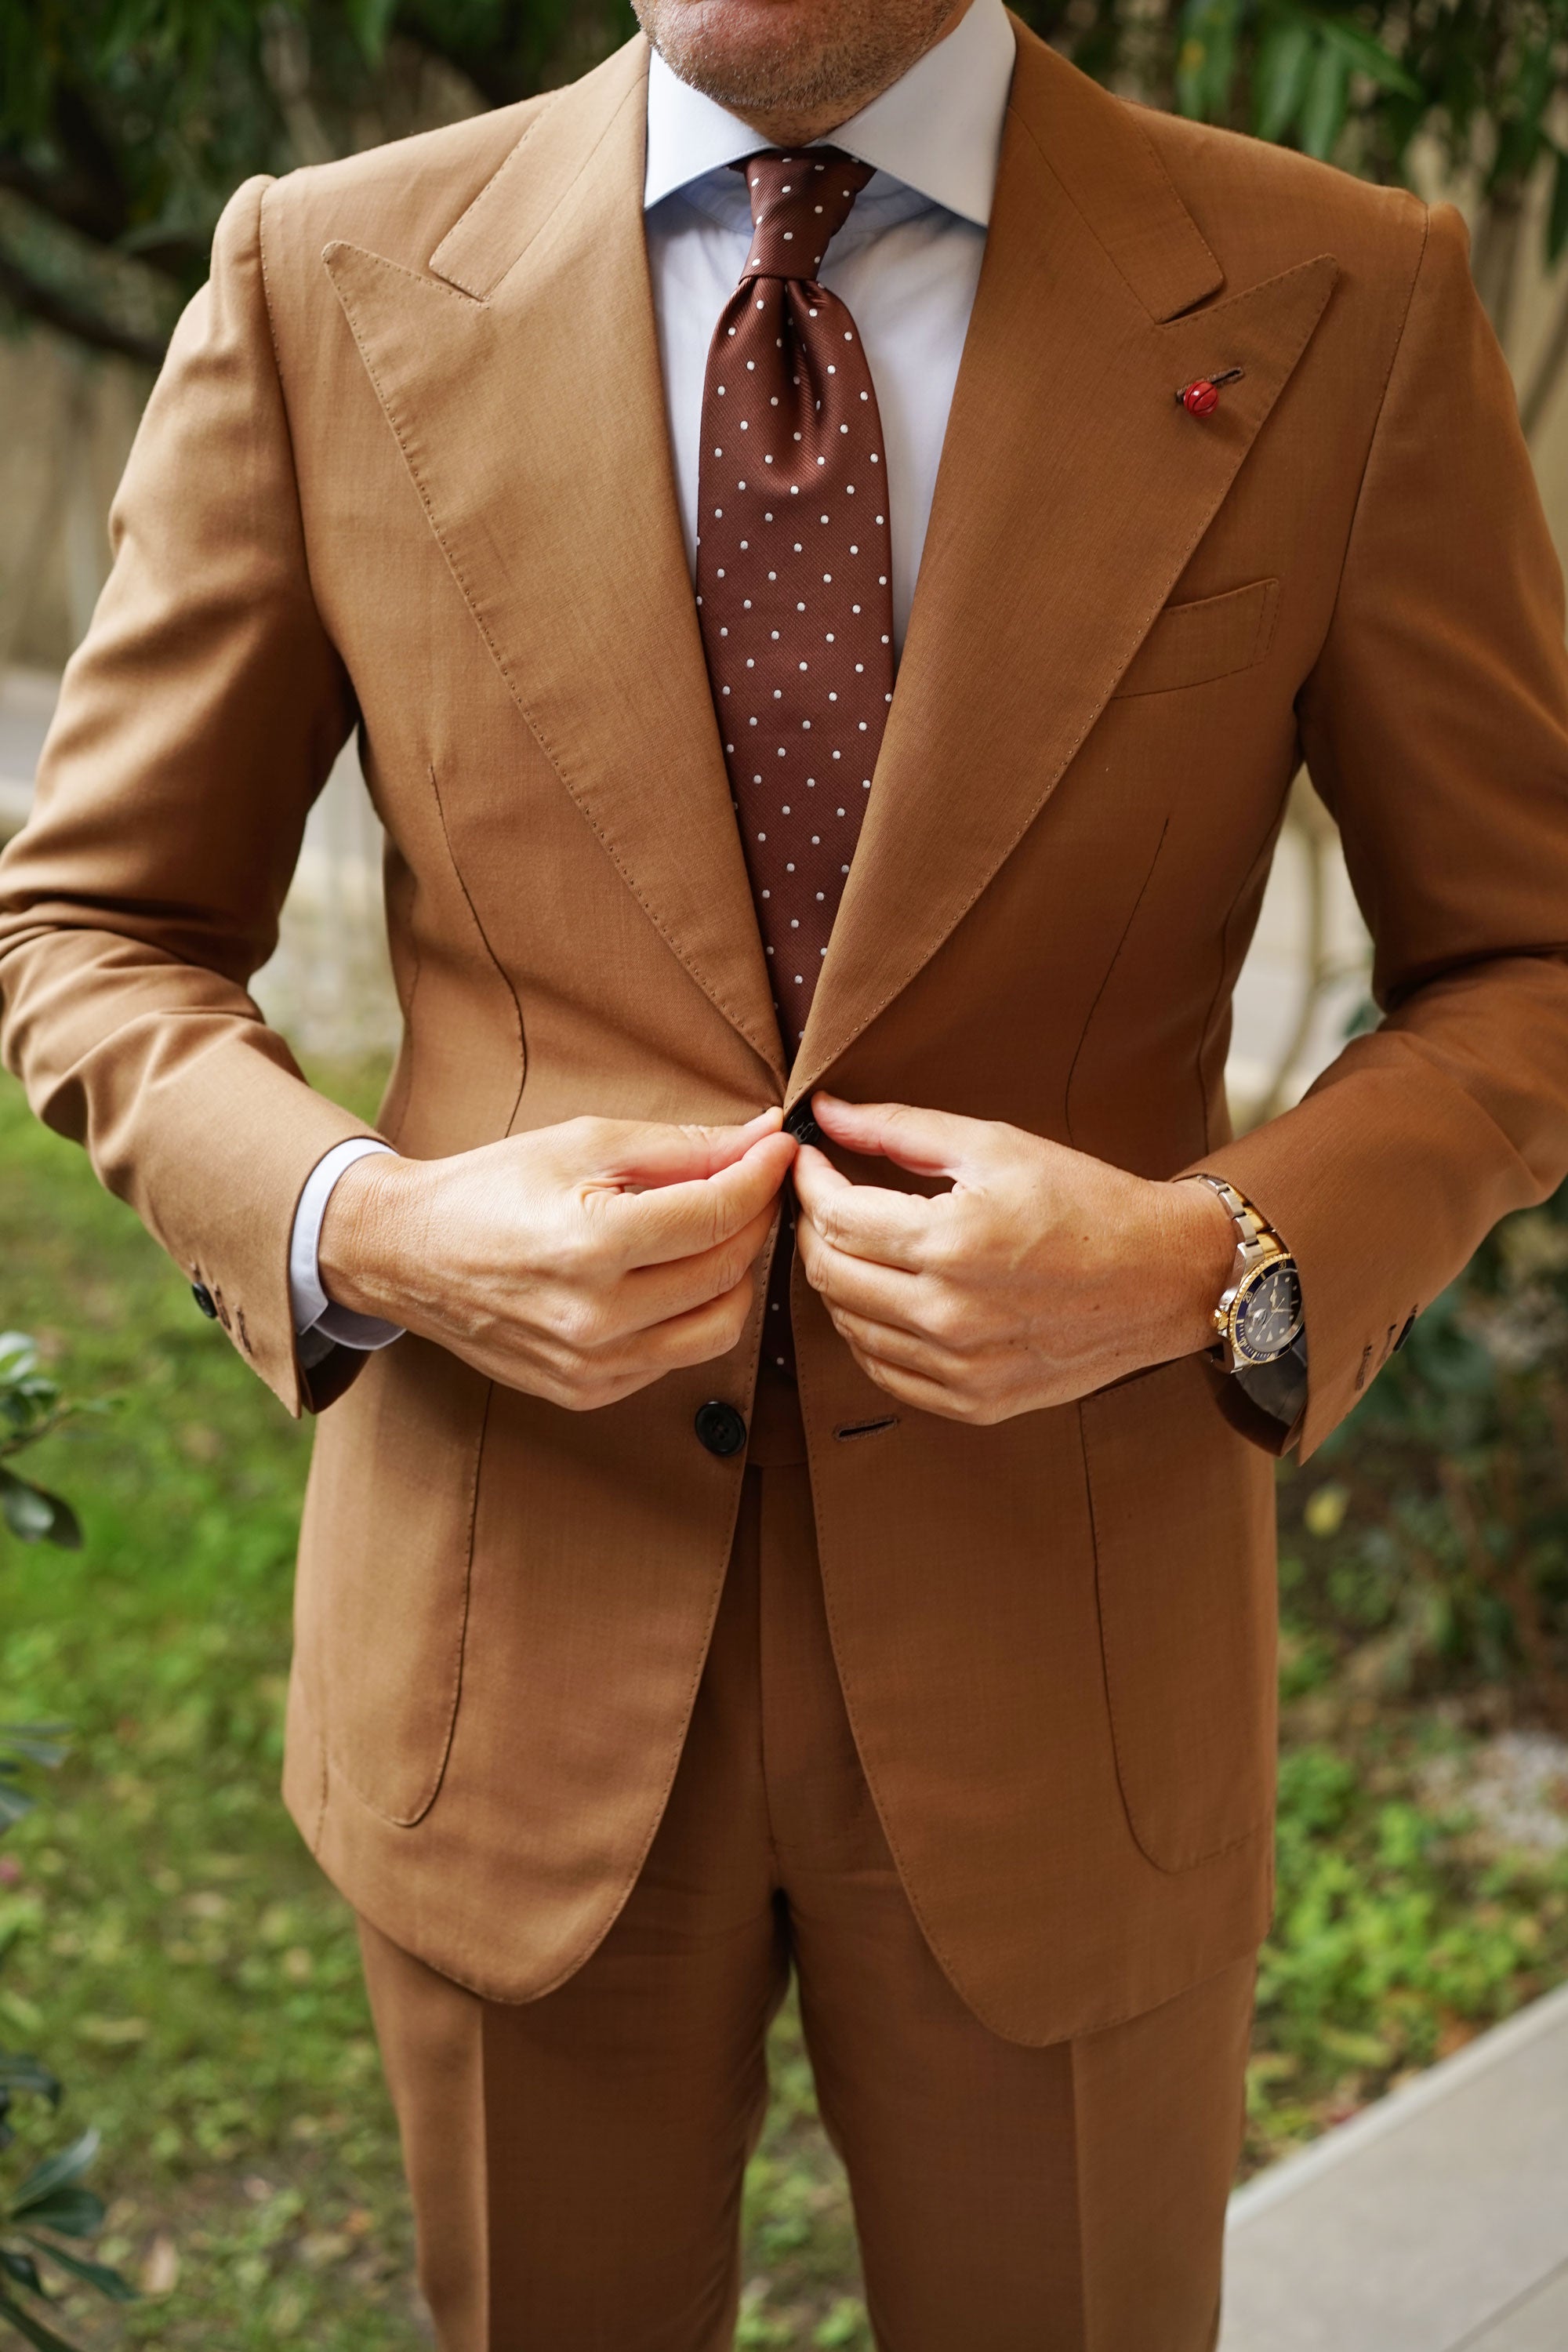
1200 1252
363 1241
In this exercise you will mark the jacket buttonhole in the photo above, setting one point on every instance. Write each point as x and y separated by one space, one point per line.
866 1428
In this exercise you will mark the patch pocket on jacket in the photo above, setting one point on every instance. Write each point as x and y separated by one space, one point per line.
386 1554
1184 1538
1193 644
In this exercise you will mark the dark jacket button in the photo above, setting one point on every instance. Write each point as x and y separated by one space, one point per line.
801 1124
205 1300
719 1427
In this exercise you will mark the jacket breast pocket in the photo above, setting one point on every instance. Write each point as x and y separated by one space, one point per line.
1191 645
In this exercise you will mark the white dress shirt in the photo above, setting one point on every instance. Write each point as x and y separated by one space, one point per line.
906 263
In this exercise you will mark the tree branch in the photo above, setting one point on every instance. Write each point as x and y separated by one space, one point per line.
1495 257
34 301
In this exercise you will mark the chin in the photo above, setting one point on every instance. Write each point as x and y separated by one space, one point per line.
783 56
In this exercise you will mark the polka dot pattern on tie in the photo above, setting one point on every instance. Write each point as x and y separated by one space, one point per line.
793 564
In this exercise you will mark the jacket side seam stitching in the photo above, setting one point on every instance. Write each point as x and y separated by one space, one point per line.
1259 854
501 973
1105 982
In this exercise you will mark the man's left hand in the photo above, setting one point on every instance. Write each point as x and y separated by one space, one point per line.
1040 1276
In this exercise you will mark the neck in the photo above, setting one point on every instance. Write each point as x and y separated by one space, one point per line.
798 128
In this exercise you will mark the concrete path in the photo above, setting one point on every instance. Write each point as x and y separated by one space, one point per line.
1436 2221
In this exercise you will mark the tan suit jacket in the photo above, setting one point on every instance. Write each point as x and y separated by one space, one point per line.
408 470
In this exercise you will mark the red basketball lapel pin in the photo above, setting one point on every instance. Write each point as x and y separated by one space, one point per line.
1201 397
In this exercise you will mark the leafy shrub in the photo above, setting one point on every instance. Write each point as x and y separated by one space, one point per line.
31 1407
1431 1532
51 2203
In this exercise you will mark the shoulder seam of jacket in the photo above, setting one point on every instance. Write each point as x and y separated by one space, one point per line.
308 589
1393 357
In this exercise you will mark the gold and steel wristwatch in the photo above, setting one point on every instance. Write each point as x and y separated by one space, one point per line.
1259 1314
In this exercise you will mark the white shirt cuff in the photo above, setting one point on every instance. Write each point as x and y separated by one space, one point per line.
316 1319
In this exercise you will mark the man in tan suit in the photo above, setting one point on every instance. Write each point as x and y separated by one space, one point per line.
660 1627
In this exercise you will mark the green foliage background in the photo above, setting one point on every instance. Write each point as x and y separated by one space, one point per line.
124 124
1442 1501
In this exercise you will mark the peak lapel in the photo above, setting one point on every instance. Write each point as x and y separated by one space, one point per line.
522 381
1072 492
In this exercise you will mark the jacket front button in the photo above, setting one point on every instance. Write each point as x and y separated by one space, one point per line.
205 1300
719 1427
802 1125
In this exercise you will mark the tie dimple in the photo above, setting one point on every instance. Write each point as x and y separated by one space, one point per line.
799 203
794 578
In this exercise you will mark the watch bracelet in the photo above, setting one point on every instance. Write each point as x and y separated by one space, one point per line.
1256 1240
1258 1244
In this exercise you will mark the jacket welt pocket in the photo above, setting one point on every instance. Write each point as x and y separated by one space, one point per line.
1191 645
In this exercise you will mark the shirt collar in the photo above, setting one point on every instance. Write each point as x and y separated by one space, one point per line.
938 128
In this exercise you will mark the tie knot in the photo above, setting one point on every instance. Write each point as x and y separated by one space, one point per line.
799 203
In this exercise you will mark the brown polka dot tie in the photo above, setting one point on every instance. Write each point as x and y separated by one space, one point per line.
793 564
793 583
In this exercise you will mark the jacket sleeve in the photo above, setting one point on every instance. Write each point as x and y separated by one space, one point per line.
197 724
1434 724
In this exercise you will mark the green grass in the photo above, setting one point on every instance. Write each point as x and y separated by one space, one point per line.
1400 1930
171 1948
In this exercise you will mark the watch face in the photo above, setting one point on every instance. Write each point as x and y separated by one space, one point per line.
1267 1313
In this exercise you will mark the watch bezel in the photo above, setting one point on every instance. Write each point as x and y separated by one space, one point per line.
1233 1307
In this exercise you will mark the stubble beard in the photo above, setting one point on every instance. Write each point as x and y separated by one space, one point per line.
830 59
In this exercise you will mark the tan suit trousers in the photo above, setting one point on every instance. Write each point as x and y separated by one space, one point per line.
576 2161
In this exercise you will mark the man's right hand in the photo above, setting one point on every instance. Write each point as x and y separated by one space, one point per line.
578 1263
